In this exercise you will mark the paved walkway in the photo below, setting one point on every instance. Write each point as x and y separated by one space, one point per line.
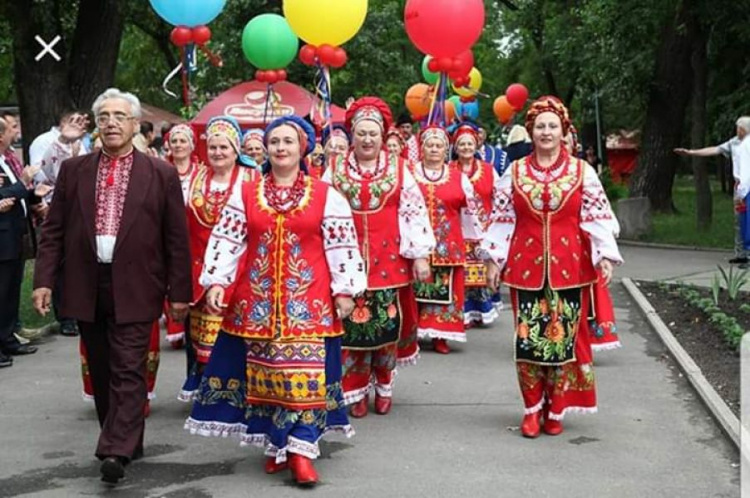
452 433
696 267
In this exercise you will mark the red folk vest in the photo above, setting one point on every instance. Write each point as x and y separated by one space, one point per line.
548 243
375 203
283 292
445 198
203 212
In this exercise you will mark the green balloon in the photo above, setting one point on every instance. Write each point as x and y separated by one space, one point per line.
430 77
268 42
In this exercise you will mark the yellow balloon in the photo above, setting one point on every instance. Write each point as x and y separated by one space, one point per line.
320 22
475 84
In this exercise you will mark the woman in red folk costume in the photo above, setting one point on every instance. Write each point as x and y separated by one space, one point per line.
553 227
479 307
395 143
274 378
210 189
395 240
447 191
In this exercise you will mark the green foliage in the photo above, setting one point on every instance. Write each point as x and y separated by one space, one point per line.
734 282
715 289
728 325
615 191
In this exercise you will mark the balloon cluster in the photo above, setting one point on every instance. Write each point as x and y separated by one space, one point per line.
327 55
514 100
190 18
431 26
269 43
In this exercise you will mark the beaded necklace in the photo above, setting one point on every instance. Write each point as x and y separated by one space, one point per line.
281 198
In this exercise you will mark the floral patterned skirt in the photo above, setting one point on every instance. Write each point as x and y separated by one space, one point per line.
204 329
152 365
553 351
277 395
441 310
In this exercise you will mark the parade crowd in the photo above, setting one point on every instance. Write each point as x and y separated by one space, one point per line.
300 267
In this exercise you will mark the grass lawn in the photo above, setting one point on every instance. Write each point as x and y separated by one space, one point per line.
30 319
680 228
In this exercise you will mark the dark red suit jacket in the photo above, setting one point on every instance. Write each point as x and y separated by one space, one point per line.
152 254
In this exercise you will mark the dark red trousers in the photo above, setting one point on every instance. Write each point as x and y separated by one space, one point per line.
117 356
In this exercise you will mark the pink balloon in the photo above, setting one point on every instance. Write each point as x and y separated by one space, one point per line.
444 28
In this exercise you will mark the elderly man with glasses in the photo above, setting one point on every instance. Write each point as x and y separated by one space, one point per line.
116 235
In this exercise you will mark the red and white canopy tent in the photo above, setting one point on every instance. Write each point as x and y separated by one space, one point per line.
247 102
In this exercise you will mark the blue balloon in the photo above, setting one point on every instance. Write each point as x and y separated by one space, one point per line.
190 13
470 110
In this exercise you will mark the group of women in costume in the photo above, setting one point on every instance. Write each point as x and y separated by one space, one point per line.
312 283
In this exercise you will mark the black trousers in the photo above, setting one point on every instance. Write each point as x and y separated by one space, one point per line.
117 356
11 278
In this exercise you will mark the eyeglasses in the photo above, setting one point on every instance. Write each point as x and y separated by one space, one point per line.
117 118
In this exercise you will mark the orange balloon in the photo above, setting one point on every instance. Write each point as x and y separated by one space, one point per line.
450 111
503 110
418 99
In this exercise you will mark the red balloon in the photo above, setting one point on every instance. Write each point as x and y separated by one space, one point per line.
326 54
464 62
339 58
461 81
433 65
445 64
444 28
261 75
517 95
307 55
201 34
181 36
281 74
466 100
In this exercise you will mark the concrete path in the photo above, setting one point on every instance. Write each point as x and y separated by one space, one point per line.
453 431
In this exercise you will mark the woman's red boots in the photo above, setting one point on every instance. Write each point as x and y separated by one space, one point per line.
302 470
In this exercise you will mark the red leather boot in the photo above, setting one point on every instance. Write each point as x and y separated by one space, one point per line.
272 467
441 346
303 470
359 409
553 427
530 425
383 404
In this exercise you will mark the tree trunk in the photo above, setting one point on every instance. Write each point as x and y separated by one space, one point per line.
41 86
47 87
704 204
667 102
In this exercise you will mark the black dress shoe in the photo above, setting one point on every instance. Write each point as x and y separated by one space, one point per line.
5 361
21 349
738 261
112 470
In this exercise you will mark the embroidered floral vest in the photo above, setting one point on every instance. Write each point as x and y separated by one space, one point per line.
548 243
375 203
444 198
283 291
203 212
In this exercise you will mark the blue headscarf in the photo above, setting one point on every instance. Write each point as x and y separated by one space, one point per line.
306 138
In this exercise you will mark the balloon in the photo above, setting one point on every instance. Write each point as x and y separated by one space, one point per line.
450 111
470 110
457 106
464 62
190 13
431 77
320 22
181 36
268 42
307 55
418 99
473 86
339 58
326 54
201 35
432 65
517 95
443 28
503 110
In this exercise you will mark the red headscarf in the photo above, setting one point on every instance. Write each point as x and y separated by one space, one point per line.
544 104
369 108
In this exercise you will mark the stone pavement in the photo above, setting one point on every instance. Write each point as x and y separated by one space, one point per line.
453 431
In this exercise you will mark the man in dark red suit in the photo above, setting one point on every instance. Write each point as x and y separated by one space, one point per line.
116 235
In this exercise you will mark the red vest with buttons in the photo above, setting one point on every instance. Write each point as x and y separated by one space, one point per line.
548 244
283 292
444 198
375 203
